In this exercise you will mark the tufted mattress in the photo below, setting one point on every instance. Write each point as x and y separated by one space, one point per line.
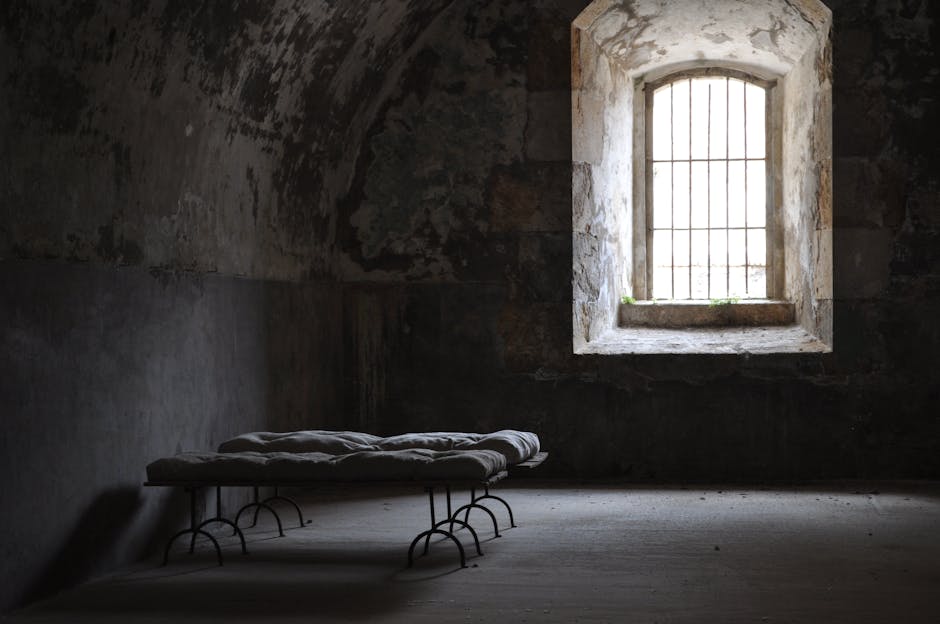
412 464
515 446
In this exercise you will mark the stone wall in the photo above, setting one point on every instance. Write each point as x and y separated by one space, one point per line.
484 338
168 185
105 370
358 214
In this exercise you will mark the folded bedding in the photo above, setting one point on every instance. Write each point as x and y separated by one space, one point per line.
515 446
368 465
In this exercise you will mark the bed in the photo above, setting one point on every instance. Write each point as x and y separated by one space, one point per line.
306 458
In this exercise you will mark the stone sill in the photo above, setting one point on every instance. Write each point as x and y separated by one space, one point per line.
705 340
687 314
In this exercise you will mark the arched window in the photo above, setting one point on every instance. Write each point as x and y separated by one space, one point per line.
709 170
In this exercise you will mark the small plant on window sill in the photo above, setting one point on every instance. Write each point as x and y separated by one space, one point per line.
724 301
627 300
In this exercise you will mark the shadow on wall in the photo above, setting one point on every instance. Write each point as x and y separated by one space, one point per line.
84 549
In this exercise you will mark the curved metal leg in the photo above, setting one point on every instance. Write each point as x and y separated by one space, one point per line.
259 506
427 534
241 511
238 531
468 507
166 551
512 521
169 544
452 521
473 497
286 499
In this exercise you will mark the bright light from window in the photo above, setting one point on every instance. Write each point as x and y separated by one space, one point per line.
709 189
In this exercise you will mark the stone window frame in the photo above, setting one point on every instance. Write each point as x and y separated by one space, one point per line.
613 45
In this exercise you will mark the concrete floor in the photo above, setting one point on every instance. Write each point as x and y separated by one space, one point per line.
590 553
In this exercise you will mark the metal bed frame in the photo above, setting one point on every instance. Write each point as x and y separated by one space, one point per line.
258 504
437 527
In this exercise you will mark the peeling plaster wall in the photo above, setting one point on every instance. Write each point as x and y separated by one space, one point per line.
602 206
806 187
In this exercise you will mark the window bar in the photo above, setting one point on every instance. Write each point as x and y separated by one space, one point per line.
770 280
672 200
746 259
708 194
727 188
667 160
690 188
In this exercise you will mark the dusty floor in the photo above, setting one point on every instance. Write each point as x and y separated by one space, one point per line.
599 553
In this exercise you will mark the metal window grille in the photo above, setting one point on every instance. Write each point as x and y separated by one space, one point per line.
708 172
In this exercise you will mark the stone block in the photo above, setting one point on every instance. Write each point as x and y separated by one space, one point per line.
548 133
535 198
861 126
549 56
535 336
543 269
861 262
868 193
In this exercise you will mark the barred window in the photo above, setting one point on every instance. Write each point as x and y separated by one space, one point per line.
709 173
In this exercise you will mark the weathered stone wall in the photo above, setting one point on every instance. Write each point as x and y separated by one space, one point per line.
105 370
168 185
484 340
394 180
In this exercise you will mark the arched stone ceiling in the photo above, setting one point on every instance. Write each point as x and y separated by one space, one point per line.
191 135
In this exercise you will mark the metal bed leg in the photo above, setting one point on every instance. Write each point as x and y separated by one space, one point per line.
466 509
194 529
486 494
286 499
427 539
434 530
220 520
452 520
258 506
473 534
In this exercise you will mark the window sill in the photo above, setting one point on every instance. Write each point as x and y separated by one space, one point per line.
688 314
705 340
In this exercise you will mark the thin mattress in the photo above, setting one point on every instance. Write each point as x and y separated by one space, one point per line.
515 446
286 467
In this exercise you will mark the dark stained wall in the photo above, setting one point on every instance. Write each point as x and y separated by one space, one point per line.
357 214
168 172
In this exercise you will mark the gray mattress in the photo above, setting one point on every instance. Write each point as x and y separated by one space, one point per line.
516 446
286 467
